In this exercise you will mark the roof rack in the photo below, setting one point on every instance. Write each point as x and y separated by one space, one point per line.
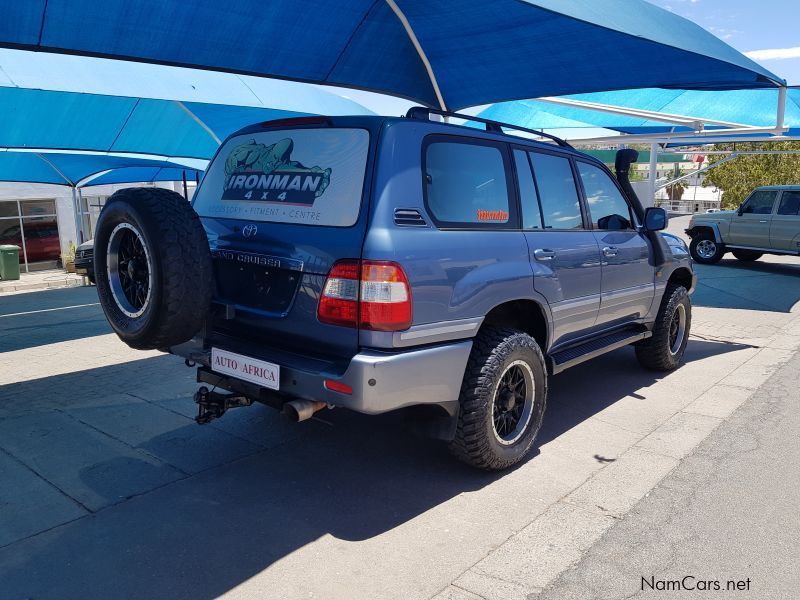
423 112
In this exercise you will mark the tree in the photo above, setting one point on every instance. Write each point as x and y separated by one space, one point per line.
738 177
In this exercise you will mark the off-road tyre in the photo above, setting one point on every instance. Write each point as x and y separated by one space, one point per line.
163 233
705 241
494 353
747 255
661 352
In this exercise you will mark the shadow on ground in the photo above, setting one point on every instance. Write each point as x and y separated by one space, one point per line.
757 285
47 317
198 536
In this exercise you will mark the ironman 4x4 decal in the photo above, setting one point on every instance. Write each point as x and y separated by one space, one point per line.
258 172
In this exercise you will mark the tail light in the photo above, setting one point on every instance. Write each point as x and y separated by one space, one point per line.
368 294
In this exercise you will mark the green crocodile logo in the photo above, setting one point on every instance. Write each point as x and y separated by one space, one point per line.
257 172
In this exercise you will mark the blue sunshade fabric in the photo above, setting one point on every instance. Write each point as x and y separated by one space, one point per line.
72 169
756 108
480 51
73 121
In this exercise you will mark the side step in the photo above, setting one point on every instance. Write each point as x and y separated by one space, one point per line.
569 357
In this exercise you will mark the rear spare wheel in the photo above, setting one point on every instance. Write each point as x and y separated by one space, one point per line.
153 267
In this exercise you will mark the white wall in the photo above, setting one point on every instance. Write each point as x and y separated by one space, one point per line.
65 214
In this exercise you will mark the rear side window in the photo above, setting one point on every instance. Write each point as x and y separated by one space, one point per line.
531 213
606 204
300 176
760 202
790 204
561 208
466 184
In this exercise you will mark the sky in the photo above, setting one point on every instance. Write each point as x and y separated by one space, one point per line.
766 30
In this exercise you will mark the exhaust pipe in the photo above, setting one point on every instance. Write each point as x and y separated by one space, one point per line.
301 410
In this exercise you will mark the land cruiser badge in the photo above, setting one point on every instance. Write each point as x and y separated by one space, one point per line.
258 172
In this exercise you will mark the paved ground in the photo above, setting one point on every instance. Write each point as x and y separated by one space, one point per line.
729 512
41 280
110 490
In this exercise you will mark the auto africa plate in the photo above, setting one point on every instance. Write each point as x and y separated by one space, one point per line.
253 370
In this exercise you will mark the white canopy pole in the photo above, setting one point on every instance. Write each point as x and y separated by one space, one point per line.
199 121
651 187
779 128
696 123
413 37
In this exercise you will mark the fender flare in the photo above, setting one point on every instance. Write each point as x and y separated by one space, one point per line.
712 226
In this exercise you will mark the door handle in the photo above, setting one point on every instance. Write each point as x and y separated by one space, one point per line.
542 254
762 221
610 251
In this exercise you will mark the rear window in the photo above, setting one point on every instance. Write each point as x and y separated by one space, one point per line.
466 184
300 176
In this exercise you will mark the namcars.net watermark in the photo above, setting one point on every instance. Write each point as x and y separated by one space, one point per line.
692 583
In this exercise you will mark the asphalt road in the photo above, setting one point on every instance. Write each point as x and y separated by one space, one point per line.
729 512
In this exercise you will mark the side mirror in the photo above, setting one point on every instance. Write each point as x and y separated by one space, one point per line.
655 219
740 210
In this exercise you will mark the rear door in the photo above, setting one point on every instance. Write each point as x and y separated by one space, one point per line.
750 226
628 277
784 231
564 254
280 207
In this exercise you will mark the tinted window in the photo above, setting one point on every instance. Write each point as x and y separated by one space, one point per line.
606 204
760 202
561 208
790 204
466 183
298 176
531 215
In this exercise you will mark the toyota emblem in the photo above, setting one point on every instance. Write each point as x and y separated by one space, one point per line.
250 230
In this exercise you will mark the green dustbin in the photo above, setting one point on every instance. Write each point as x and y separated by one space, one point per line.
9 262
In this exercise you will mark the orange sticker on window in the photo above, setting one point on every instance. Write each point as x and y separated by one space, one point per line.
492 215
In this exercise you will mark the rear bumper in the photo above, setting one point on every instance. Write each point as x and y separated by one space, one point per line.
381 381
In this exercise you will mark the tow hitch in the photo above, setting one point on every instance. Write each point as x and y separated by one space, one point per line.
212 405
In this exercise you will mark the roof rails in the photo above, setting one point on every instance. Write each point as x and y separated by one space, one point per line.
422 112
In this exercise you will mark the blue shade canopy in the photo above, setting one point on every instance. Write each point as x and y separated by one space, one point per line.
72 169
755 108
73 121
479 51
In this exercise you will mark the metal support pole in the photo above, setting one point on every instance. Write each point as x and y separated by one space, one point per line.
76 212
82 232
185 187
651 183
781 110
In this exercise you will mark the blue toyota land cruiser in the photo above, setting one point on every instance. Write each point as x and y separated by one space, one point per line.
379 264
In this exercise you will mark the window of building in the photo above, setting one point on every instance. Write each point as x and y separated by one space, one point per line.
558 194
466 184
607 207
31 225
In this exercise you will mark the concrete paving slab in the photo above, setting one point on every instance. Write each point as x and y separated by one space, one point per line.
757 370
168 436
88 466
680 434
720 401
614 490
537 554
258 424
28 504
452 592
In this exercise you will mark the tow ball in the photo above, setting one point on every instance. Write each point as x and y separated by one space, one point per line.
212 405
